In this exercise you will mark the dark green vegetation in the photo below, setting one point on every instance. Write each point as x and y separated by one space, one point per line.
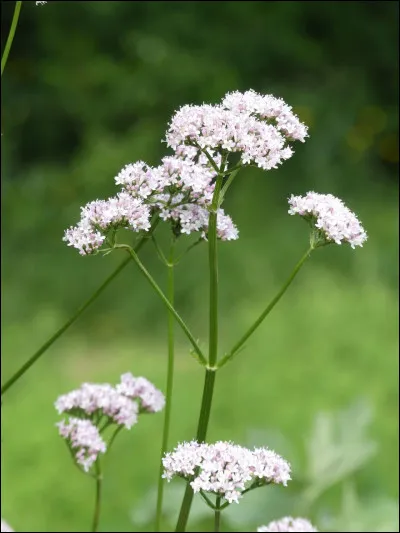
89 87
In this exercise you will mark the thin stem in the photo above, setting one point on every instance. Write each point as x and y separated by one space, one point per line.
227 184
209 380
32 360
266 311
207 500
113 437
97 504
217 514
165 300
159 251
11 34
170 382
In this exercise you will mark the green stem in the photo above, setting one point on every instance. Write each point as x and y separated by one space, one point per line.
10 37
170 380
165 300
217 515
113 437
227 184
266 311
213 271
97 505
32 360
209 380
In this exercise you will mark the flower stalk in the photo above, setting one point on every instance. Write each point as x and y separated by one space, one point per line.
170 382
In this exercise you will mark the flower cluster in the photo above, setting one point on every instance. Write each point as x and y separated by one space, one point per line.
5 527
179 190
287 524
151 400
258 127
330 216
100 216
91 403
97 400
225 469
84 436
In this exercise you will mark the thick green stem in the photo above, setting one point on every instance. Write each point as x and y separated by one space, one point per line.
166 302
10 37
266 311
170 380
213 270
209 380
32 360
97 504
217 515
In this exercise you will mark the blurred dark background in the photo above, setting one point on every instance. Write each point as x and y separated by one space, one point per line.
91 86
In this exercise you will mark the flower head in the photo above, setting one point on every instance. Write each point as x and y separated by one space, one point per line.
225 469
150 398
288 524
83 436
258 127
100 216
99 400
328 214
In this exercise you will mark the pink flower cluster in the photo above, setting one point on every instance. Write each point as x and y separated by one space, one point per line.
225 469
258 127
287 524
150 399
84 436
180 190
98 400
329 214
91 403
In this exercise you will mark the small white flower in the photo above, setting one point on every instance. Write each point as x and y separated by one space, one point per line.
329 215
288 524
40 3
225 469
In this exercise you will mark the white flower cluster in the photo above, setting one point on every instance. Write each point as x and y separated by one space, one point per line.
97 400
84 436
288 524
5 527
88 405
179 189
259 127
225 469
330 216
98 217
151 400
40 3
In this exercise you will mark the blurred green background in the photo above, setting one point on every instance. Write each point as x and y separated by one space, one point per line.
91 86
